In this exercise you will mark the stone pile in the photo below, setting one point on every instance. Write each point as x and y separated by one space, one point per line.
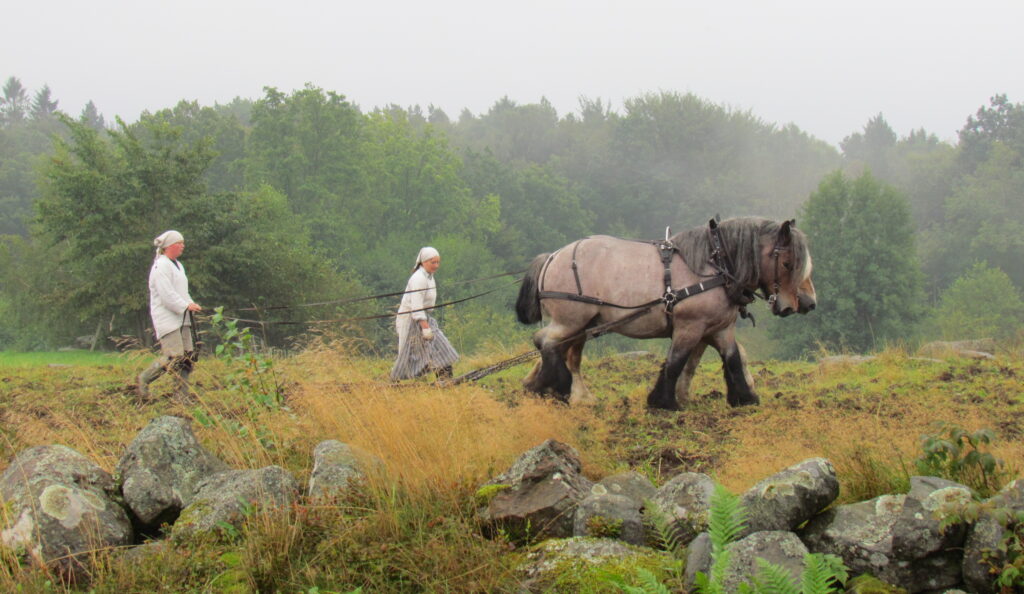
61 506
896 538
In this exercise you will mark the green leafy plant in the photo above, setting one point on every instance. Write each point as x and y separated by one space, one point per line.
602 527
1010 564
1006 561
252 372
954 454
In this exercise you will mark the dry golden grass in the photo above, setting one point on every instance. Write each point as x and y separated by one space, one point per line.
430 437
858 415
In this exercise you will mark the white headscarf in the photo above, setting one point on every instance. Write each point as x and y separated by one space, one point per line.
425 254
166 240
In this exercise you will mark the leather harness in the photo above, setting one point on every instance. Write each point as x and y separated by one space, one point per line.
720 261
666 251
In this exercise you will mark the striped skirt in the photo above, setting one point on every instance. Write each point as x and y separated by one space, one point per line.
418 356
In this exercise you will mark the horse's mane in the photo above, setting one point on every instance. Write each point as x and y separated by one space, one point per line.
742 239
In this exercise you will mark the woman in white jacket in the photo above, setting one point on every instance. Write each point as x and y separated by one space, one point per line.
422 347
169 306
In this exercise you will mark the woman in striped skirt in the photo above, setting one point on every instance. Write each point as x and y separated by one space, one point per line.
422 347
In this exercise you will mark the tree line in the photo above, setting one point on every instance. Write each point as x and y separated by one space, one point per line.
302 197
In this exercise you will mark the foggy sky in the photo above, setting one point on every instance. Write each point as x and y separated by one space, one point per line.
825 66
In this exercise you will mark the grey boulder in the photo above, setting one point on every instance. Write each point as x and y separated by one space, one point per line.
160 470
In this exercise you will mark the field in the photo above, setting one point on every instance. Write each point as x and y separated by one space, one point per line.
413 531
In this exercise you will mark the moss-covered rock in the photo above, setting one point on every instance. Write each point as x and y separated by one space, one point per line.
583 564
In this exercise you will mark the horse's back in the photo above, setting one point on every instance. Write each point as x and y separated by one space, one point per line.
615 270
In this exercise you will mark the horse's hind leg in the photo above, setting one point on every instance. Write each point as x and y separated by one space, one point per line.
531 378
738 381
689 370
573 356
551 373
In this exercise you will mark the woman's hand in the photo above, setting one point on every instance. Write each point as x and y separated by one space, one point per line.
194 307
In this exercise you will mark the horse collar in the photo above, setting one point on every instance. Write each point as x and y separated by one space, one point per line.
721 261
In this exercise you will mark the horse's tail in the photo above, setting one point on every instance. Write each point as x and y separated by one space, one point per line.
528 302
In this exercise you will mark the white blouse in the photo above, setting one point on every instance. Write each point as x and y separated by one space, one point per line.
168 295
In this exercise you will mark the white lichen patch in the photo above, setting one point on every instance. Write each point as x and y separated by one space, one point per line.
67 505
946 499
20 534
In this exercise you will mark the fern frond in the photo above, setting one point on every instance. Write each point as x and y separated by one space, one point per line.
661 529
728 517
775 579
720 561
823 574
648 583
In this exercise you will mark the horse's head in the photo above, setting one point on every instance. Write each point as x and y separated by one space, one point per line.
786 272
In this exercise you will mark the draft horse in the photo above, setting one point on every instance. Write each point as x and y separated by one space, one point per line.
690 287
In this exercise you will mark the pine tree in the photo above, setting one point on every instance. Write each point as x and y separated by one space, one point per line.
43 106
92 118
14 103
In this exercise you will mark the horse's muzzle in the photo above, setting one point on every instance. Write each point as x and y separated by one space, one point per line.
806 304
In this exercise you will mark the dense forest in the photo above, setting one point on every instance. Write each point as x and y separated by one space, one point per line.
301 197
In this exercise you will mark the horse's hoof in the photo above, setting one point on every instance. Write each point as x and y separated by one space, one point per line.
748 400
662 405
652 408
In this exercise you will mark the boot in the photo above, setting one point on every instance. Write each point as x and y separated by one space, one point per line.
155 370
182 390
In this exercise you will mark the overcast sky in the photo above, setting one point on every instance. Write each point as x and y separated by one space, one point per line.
825 66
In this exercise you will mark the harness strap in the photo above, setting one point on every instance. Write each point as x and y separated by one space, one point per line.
590 300
667 251
716 281
575 269
676 296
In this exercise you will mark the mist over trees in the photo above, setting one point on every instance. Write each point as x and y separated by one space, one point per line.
299 197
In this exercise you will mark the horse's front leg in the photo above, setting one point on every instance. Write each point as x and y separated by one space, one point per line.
689 370
663 395
738 381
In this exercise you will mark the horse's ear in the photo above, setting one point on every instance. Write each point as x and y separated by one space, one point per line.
713 223
786 232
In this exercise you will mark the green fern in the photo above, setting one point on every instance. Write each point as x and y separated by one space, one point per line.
726 523
823 574
661 530
773 578
649 583
728 518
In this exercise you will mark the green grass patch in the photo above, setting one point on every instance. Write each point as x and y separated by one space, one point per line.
43 358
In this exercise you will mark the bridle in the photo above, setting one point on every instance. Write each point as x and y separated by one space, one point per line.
721 261
777 248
